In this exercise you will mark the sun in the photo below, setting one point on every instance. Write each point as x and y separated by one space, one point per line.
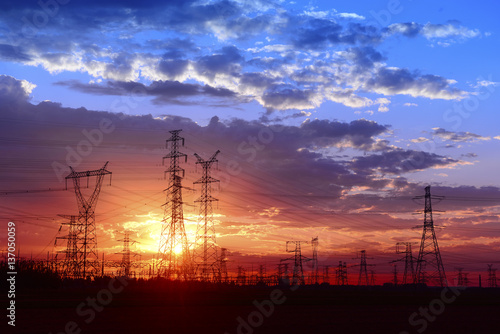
178 249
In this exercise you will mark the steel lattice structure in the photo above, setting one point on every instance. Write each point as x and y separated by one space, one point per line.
298 259
69 266
205 248
430 269
492 277
341 274
315 269
85 255
363 272
173 253
409 271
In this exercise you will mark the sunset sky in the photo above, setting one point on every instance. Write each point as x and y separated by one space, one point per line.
330 117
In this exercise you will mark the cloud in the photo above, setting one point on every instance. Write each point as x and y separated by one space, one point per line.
450 32
13 90
390 81
458 136
164 92
400 161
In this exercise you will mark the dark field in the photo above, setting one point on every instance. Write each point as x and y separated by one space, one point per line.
173 307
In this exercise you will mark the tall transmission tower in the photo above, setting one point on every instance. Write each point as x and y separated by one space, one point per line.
409 272
126 262
341 274
298 270
241 277
72 256
430 269
363 272
463 280
86 241
223 275
173 253
315 269
205 251
492 277
326 274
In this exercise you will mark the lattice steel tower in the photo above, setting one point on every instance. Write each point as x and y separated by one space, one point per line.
173 253
430 269
315 269
72 256
363 272
341 274
409 272
492 277
86 241
298 271
205 248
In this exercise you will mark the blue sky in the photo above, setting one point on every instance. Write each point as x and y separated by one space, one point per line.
369 88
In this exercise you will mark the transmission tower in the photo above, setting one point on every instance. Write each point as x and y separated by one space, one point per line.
72 256
430 269
341 274
463 280
326 274
492 277
223 276
241 278
126 262
205 252
315 269
409 273
86 240
173 254
372 277
363 272
298 271
395 275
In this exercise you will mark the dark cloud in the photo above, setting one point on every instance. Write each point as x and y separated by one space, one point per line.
391 81
226 62
400 161
458 136
13 53
164 92
316 33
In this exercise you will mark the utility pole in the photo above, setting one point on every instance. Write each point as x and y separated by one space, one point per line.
86 240
173 253
430 269
205 252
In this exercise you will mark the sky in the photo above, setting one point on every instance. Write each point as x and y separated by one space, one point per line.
330 118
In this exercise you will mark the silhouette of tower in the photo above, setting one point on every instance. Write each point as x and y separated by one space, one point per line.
126 262
326 274
372 277
205 251
341 274
395 275
315 269
463 280
298 271
363 272
430 269
223 276
409 273
492 277
173 252
86 239
72 256
241 278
